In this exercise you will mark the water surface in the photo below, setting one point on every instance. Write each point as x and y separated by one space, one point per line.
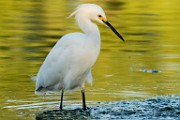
29 29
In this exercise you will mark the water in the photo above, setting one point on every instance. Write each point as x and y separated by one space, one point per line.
29 29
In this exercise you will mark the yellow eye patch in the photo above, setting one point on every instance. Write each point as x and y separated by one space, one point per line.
102 18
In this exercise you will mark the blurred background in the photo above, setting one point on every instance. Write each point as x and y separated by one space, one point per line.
146 65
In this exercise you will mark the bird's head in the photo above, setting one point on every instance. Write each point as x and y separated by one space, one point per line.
95 13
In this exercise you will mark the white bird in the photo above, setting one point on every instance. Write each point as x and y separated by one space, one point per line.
68 65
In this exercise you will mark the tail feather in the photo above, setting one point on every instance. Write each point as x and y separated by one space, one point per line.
33 78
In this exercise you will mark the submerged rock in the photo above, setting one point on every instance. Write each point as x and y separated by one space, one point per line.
64 115
149 71
167 107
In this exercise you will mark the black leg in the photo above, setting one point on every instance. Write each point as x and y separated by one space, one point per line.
83 99
61 99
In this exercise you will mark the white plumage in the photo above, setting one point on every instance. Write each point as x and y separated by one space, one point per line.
69 63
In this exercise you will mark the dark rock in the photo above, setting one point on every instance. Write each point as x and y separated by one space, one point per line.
167 107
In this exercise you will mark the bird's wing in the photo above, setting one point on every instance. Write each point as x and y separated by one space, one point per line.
54 67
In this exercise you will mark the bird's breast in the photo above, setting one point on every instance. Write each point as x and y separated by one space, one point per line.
91 53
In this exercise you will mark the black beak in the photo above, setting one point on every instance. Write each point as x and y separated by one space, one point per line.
114 30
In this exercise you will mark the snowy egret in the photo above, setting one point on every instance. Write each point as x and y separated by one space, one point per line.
69 63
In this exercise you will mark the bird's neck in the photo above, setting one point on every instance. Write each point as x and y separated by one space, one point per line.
90 29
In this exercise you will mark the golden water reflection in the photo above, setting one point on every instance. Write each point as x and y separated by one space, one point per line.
29 29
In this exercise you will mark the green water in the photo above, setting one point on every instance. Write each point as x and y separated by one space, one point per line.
29 29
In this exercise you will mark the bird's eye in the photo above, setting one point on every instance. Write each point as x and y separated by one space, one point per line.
99 16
